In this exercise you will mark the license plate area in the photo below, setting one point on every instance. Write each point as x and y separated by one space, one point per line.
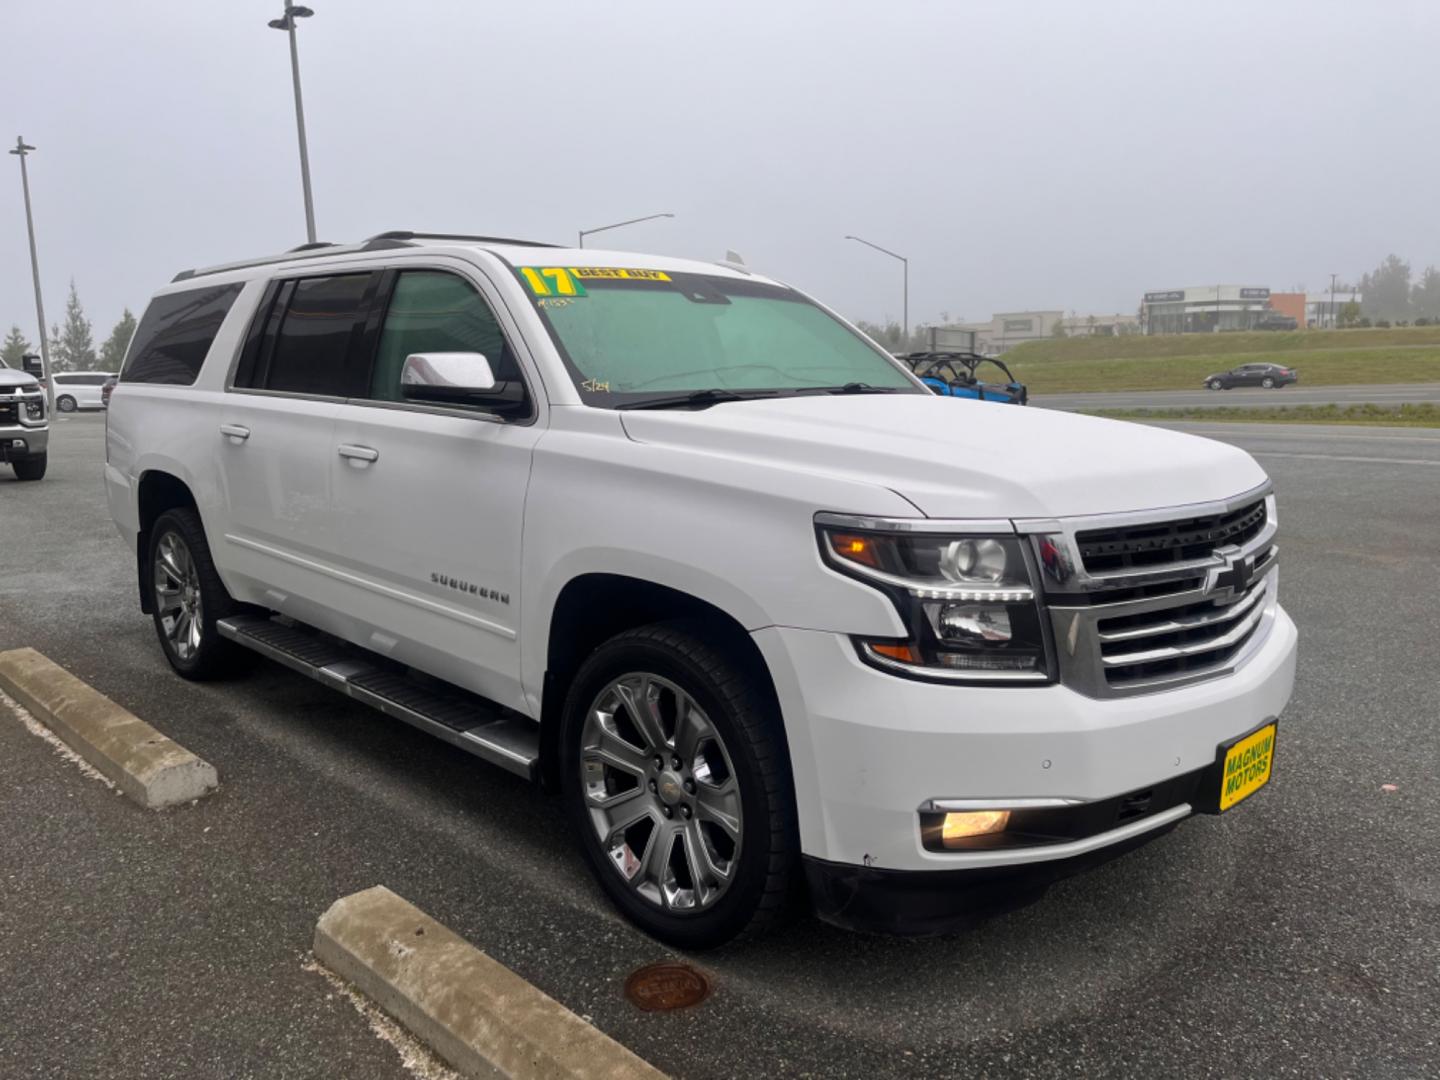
1244 766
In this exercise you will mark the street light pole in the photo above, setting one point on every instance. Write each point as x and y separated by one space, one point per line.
606 228
287 23
21 149
905 303
1332 301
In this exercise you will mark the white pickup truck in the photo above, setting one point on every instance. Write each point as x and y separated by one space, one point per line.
24 423
678 541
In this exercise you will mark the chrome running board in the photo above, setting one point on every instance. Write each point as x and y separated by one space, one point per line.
480 727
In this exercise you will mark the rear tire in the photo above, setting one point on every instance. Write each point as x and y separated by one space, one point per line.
188 598
1268 383
32 467
65 403
686 817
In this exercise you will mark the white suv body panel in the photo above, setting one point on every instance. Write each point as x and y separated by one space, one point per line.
718 504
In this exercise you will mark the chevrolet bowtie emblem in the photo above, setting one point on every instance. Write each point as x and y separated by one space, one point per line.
1228 581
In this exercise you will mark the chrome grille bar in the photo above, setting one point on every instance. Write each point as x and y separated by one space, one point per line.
1231 637
1218 617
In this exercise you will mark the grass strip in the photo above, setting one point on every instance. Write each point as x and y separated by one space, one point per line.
1425 414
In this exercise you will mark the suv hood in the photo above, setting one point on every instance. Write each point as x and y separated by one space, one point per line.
956 458
11 379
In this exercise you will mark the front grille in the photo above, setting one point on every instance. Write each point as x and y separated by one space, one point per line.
1174 642
1163 603
1158 544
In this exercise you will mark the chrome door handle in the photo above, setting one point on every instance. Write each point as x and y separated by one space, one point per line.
359 453
238 432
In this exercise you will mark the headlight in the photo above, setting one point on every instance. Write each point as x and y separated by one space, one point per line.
969 602
35 408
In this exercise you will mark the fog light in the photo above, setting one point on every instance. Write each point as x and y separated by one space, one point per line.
960 827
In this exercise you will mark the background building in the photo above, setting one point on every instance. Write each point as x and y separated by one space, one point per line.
1007 329
1100 325
1322 311
1203 309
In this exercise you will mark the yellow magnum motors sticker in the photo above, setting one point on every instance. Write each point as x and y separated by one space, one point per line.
1247 766
569 280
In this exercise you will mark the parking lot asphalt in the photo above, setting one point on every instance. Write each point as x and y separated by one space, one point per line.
1247 397
1298 935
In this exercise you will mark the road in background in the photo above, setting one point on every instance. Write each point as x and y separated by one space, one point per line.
1246 397
1298 935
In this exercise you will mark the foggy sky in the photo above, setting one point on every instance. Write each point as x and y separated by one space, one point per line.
1023 155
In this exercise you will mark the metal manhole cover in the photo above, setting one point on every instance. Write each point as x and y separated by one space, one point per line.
662 987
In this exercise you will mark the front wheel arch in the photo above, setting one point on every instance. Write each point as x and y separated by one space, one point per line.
593 608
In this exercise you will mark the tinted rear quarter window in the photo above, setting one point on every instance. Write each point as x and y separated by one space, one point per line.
175 333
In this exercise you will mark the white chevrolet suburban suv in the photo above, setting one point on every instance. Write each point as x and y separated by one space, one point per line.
678 541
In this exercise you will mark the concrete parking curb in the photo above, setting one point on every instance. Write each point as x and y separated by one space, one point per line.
473 1011
148 767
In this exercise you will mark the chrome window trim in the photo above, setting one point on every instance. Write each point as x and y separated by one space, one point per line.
416 260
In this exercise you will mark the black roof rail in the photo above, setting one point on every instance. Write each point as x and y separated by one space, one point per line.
379 242
406 234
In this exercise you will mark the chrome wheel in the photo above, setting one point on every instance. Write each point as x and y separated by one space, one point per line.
660 792
177 595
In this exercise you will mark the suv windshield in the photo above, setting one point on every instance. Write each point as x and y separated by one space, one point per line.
629 335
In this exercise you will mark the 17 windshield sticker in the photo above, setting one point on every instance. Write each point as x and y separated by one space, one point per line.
563 281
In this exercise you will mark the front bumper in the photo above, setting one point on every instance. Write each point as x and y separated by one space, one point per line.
868 749
18 442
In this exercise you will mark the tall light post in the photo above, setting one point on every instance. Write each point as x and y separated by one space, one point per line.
21 149
906 301
1332 300
286 22
633 221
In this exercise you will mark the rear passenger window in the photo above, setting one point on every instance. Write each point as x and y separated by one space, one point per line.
175 334
311 342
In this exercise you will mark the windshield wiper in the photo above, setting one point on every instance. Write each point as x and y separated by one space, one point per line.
859 388
696 399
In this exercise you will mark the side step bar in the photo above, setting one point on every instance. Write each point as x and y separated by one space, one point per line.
465 720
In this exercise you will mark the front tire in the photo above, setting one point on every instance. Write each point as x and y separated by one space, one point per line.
188 598
677 784
65 403
32 467
1216 384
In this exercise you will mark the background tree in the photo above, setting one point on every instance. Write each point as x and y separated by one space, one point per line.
15 348
74 348
1425 296
113 351
1057 329
1385 292
1349 314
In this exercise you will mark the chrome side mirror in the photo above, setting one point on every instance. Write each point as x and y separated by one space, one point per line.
446 377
